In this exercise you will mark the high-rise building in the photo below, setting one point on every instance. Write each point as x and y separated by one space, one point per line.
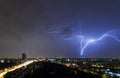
24 57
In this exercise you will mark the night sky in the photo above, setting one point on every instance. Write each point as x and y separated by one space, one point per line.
39 27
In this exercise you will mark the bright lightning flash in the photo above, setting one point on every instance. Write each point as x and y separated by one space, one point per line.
91 41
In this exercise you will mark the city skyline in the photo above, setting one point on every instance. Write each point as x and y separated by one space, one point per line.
48 28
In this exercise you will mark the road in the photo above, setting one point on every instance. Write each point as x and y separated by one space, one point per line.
15 67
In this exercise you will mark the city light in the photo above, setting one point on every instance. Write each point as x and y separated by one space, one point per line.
2 73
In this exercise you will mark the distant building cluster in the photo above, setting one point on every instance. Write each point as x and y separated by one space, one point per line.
107 66
103 67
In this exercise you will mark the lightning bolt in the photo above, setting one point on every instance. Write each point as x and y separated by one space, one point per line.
84 43
90 41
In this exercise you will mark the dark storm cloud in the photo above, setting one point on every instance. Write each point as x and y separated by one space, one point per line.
18 18
66 30
9 21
